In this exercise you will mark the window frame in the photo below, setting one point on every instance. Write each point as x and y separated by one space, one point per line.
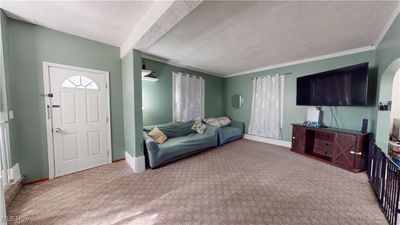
82 86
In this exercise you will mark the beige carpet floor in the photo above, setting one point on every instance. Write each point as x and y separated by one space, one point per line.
244 182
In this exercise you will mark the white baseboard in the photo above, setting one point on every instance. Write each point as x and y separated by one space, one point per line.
137 164
272 141
14 173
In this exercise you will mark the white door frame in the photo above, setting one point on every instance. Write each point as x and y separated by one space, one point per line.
48 111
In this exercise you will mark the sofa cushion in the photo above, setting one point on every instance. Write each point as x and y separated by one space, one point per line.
157 135
218 122
228 132
178 147
175 129
188 143
199 127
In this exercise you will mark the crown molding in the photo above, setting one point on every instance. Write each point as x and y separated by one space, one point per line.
306 60
169 62
388 24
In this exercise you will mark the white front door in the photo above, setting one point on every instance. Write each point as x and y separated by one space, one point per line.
79 112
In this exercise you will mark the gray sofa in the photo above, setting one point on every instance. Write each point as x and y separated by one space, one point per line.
182 141
231 132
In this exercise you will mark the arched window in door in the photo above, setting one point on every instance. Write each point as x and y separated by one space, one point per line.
81 82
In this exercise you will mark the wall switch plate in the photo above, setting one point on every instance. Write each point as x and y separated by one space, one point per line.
10 114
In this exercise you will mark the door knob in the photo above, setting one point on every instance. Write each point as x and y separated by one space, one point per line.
58 130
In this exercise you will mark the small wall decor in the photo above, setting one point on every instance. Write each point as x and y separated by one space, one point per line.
385 107
237 101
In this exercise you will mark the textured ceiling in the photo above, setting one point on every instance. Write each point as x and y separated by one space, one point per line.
220 37
232 37
105 21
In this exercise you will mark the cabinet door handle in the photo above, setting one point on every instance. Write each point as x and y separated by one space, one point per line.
355 153
293 137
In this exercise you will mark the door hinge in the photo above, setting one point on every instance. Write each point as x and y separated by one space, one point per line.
107 119
106 85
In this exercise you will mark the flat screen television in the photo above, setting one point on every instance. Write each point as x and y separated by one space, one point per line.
347 86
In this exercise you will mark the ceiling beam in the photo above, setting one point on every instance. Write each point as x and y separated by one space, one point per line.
159 19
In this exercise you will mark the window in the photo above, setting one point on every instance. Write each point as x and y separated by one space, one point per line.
3 92
187 97
4 128
4 153
81 82
267 104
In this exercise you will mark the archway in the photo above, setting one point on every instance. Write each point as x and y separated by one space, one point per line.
383 123
395 110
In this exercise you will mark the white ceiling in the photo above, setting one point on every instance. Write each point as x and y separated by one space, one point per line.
231 37
219 37
105 21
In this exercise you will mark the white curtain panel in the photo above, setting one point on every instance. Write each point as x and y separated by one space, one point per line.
265 120
187 97
3 96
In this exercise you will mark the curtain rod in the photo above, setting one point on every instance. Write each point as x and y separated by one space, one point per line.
278 74
187 75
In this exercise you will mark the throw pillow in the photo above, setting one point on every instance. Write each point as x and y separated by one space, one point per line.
157 135
218 122
199 127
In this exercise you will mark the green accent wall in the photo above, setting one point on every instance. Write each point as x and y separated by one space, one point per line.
30 45
349 117
132 99
157 96
387 60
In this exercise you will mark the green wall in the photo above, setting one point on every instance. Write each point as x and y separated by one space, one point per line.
30 45
387 60
157 96
348 117
132 99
